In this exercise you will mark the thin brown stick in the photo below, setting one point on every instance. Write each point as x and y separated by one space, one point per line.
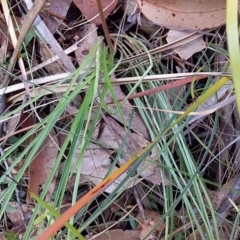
27 23
104 24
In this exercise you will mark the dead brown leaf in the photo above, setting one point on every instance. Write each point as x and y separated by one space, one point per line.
223 235
187 50
57 11
90 10
95 166
15 216
217 197
137 125
41 167
118 234
190 14
115 135
90 37
146 226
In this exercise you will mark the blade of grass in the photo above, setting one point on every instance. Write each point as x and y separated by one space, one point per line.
83 115
57 215
233 44
107 181
48 123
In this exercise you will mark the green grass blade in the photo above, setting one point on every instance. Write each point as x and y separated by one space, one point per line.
56 214
233 45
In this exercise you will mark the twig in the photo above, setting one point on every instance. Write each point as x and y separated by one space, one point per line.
140 206
31 15
104 24
42 30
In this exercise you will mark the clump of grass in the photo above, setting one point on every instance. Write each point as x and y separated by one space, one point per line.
185 203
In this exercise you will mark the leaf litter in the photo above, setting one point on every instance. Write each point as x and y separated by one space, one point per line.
41 166
120 135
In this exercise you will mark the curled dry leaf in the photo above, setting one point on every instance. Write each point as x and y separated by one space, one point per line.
95 167
190 14
15 216
212 103
187 50
114 137
90 10
153 217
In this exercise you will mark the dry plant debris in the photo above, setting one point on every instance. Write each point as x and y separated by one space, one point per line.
187 14
90 10
118 234
16 219
41 166
187 50
191 174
